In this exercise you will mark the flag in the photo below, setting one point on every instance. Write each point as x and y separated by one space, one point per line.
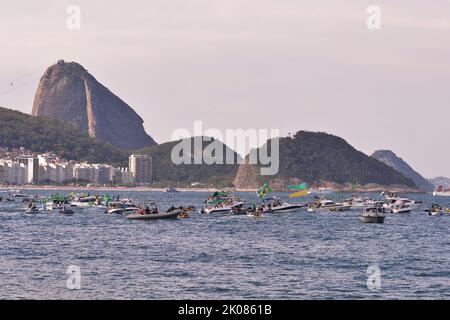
107 198
301 186
264 190
300 193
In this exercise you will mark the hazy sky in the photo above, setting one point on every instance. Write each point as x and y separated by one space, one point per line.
288 64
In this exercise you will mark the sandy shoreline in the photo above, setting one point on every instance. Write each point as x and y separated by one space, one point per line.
205 190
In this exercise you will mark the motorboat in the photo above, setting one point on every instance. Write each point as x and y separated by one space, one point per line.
404 208
441 192
436 210
171 189
275 205
222 204
374 214
219 208
328 205
393 203
16 195
32 209
358 202
321 190
121 207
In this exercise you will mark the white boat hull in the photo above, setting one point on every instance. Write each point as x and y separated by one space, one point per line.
290 208
441 194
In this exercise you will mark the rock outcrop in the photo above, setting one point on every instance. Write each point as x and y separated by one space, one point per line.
391 159
69 93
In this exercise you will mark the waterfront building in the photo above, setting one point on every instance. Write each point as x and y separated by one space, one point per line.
141 168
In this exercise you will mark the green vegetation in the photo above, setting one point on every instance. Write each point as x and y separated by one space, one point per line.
165 172
316 156
40 134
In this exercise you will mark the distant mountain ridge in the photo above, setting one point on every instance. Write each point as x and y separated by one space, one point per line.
320 157
391 159
440 181
69 93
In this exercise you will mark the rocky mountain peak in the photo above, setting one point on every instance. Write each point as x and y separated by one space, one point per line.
69 93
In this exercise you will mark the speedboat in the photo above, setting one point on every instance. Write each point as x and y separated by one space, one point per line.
222 208
394 200
32 210
222 204
277 206
404 208
373 215
328 205
358 202
121 207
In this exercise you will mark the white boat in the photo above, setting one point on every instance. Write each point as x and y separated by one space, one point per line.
121 207
222 208
32 210
166 215
275 205
320 190
405 208
358 202
441 192
398 202
51 205
327 206
373 215
222 204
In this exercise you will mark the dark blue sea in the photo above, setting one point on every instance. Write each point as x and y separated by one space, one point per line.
285 256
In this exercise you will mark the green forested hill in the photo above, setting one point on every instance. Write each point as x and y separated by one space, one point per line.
166 172
316 156
43 134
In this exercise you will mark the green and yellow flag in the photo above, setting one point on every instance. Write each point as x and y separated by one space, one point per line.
300 193
264 190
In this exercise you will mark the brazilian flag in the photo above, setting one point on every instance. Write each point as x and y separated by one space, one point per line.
264 190
355 186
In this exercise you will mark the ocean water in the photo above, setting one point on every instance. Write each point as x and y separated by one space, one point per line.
285 256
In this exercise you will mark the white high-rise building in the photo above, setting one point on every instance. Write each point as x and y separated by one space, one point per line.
141 168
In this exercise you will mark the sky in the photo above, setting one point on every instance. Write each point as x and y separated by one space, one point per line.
284 64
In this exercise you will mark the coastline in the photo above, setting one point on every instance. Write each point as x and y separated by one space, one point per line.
341 189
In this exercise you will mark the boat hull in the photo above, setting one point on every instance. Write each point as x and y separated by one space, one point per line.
166 215
287 209
441 194
372 219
